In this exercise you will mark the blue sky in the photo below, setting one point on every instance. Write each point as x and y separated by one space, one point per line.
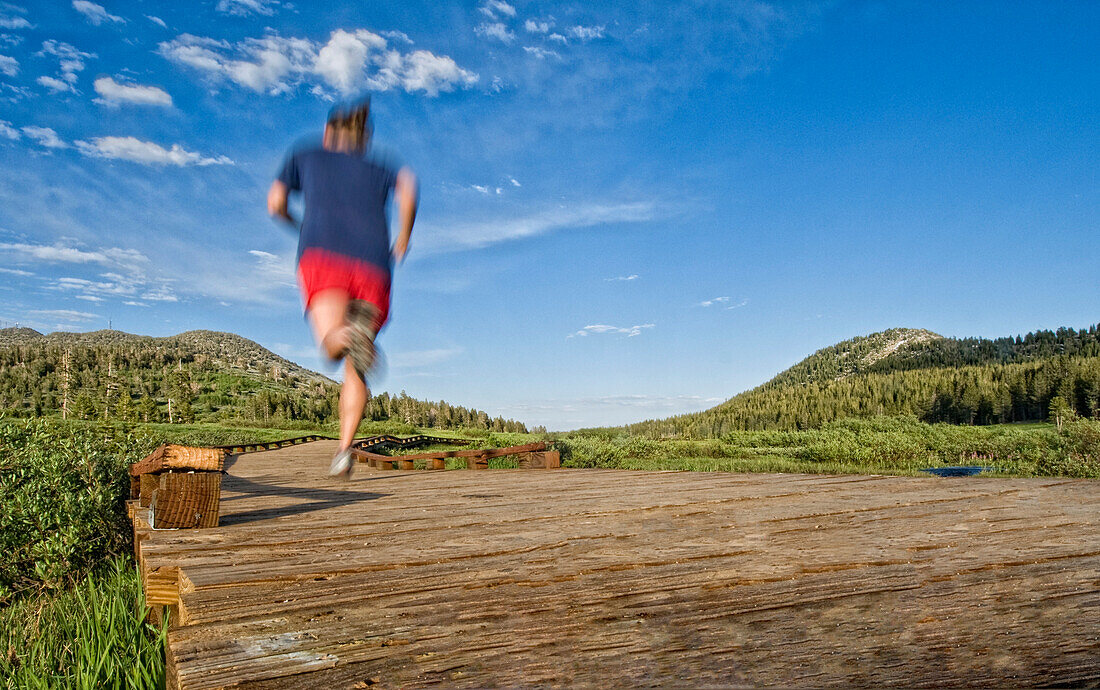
628 210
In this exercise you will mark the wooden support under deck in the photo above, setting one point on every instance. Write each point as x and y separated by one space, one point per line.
612 578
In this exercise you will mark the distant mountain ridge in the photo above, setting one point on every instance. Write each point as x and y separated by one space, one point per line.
229 349
193 376
913 372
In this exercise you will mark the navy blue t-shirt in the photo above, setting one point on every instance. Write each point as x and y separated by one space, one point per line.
345 199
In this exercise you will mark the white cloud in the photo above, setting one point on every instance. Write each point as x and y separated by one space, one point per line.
113 93
9 66
460 236
45 137
130 260
716 300
131 303
537 27
160 294
15 272
599 328
494 30
70 63
430 73
491 8
515 182
55 85
95 14
14 23
739 304
278 270
540 53
10 40
243 8
66 314
90 298
632 276
7 131
398 36
156 20
557 37
145 152
350 61
586 33
479 188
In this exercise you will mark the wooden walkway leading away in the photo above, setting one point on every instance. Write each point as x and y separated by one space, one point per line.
606 578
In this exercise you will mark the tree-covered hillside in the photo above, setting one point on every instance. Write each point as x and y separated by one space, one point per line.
914 372
193 376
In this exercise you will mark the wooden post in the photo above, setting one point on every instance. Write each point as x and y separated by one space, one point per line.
385 464
405 464
437 464
185 500
478 462
147 483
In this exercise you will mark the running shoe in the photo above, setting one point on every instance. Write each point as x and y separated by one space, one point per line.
342 464
361 316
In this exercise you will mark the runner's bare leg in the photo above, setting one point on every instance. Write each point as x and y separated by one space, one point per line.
326 314
353 400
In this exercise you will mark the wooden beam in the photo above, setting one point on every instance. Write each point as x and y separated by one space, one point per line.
175 457
482 453
186 500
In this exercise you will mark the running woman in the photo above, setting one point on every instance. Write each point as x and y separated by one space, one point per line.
344 253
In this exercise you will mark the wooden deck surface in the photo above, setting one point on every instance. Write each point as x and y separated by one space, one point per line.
605 578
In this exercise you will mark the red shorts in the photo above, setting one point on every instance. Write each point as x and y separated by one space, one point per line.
319 270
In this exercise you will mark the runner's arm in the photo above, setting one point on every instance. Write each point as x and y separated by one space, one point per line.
408 197
276 202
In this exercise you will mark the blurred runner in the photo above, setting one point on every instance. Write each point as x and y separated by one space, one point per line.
344 253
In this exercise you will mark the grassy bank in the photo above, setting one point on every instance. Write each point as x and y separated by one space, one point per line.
89 636
882 445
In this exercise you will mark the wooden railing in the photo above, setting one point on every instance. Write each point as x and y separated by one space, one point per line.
237 449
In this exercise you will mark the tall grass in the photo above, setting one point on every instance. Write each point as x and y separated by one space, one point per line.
88 637
893 445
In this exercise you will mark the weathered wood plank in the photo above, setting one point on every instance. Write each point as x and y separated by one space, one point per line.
185 500
175 457
602 577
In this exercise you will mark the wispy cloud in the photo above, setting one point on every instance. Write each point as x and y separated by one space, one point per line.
474 235
45 137
495 30
350 61
156 20
244 8
9 66
96 14
112 92
146 152
586 33
70 62
65 314
491 8
600 329
632 276
9 18
540 53
538 27
712 302
7 131
61 252
739 304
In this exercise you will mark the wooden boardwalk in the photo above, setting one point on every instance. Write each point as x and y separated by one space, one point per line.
604 578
